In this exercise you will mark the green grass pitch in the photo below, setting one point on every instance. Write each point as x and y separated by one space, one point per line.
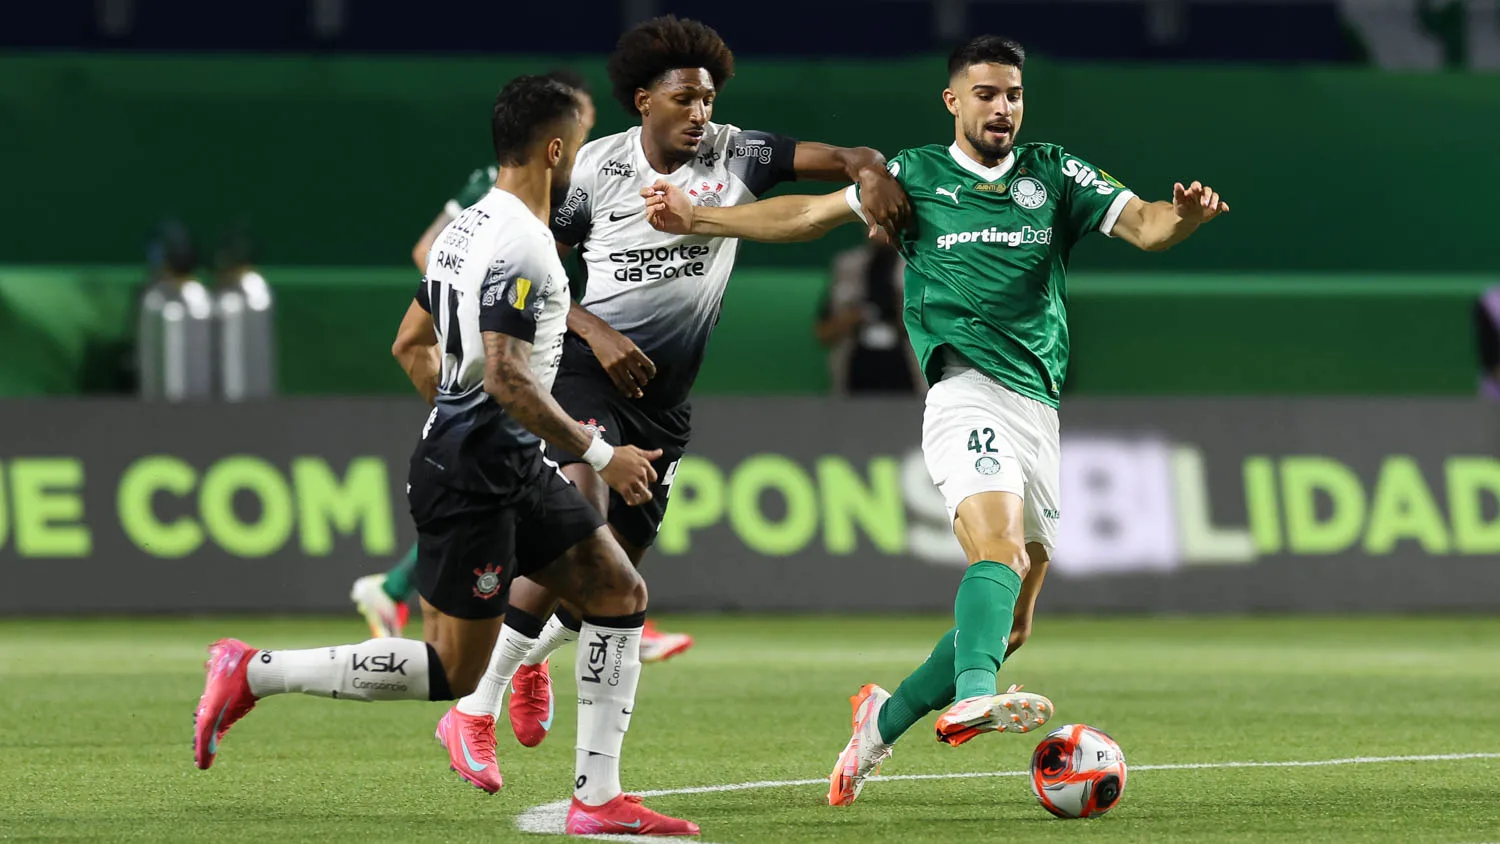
95 738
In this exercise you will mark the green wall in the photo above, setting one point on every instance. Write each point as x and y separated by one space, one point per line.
342 161
63 330
1361 228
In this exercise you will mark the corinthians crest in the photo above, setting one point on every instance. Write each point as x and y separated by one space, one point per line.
707 194
487 581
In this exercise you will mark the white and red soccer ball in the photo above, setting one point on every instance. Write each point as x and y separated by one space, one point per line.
1078 772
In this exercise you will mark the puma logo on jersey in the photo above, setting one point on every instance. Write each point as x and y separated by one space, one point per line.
951 194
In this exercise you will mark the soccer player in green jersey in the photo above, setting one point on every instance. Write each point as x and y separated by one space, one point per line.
382 598
993 223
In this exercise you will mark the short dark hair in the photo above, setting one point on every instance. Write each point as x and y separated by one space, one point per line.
571 78
650 50
986 49
525 108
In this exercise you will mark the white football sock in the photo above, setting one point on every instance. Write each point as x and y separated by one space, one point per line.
596 777
608 669
510 649
554 635
379 669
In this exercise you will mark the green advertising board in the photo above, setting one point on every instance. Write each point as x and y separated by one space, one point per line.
781 504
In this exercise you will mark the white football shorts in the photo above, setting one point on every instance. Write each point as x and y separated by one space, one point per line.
978 436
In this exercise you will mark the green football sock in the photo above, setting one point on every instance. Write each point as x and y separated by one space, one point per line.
983 610
398 579
928 688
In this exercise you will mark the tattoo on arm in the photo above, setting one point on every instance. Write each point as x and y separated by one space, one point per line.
508 377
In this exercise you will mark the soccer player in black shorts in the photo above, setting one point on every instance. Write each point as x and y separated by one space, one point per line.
488 506
382 598
652 299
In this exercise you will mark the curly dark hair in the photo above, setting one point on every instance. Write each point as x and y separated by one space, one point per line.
525 108
650 50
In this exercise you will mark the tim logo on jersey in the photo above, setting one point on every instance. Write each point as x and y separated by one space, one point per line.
617 168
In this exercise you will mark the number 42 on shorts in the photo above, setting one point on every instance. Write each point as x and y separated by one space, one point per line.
982 441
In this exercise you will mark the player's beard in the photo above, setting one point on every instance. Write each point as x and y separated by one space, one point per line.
679 154
558 193
984 146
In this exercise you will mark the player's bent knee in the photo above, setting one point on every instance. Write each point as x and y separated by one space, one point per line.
637 597
1001 550
616 588
626 596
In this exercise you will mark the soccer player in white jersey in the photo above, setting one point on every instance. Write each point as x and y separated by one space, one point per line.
382 598
487 504
993 224
662 292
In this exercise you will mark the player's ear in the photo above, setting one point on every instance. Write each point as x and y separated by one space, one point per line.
950 100
554 151
643 101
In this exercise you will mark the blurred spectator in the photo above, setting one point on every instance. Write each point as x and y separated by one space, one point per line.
1487 333
859 322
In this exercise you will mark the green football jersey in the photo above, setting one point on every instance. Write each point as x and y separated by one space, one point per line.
478 184
987 258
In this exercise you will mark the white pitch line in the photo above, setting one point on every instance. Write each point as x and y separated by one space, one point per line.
551 818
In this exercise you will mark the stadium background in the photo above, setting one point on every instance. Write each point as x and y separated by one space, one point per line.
1278 581
1275 415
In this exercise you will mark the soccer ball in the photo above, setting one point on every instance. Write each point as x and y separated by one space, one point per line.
1078 772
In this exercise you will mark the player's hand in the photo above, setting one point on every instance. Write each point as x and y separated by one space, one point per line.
668 209
626 364
885 204
1197 203
630 474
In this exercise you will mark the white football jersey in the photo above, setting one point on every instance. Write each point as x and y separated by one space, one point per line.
663 291
493 268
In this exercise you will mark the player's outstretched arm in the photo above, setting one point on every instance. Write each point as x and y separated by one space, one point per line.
884 201
416 349
1155 226
782 219
508 377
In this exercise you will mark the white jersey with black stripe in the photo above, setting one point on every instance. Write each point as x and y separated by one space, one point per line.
494 268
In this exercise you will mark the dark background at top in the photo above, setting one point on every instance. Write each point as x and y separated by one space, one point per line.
1147 30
